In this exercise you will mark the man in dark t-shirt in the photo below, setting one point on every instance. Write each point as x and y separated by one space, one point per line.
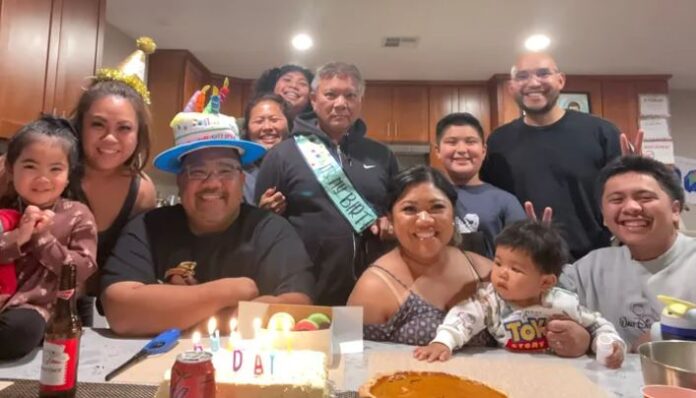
180 265
551 157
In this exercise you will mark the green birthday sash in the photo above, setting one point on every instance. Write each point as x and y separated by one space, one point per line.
335 183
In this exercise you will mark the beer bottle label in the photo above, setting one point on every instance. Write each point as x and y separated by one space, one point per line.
59 364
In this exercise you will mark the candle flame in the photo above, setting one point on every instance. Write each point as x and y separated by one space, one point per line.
212 325
196 337
233 325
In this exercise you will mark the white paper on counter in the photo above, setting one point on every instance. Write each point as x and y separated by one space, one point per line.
655 128
662 150
654 105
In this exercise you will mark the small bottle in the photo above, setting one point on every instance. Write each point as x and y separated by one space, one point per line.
61 347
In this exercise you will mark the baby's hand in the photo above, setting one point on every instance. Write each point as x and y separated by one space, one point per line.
616 358
432 352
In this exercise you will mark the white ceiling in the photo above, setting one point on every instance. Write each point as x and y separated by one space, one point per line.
459 39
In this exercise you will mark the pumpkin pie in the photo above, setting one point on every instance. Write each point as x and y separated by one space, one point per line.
414 384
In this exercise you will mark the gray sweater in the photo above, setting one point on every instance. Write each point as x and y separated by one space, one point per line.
625 291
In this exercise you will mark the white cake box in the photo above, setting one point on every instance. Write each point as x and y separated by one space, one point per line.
344 335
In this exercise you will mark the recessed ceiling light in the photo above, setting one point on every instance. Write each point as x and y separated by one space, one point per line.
537 42
302 42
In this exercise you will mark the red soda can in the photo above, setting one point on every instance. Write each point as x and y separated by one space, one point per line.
193 376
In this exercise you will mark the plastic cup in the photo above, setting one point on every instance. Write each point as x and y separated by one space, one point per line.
605 346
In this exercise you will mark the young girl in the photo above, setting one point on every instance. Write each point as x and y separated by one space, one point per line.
51 231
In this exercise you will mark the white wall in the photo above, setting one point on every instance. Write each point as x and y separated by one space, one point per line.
683 127
117 46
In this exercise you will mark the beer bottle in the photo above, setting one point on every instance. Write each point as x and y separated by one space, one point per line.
61 347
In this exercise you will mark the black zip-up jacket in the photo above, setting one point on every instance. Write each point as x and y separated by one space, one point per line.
338 254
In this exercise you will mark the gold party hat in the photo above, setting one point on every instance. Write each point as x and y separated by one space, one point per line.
132 70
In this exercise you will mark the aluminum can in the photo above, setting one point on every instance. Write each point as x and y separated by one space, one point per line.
193 376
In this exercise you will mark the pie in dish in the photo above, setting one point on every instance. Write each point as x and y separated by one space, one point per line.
414 384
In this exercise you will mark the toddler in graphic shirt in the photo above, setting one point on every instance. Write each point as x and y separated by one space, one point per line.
521 299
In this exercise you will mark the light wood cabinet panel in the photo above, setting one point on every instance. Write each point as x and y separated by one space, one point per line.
47 50
377 112
236 101
474 100
410 114
79 52
173 76
24 39
396 113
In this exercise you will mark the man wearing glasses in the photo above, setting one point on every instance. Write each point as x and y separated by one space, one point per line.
177 266
550 157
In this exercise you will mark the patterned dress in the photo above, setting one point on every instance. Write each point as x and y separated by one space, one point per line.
71 238
416 321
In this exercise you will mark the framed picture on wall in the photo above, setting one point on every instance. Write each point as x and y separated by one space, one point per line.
575 101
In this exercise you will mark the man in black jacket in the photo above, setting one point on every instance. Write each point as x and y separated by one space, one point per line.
330 217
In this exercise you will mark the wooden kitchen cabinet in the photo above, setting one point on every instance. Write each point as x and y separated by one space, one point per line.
377 111
173 77
47 50
396 113
239 96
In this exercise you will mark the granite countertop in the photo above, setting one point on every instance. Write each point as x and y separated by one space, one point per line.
101 352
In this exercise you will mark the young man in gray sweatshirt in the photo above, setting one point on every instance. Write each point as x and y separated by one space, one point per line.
641 201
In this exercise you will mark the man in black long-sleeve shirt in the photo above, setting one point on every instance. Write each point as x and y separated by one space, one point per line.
551 156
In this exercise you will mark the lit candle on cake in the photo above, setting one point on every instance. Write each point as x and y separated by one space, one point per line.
197 346
214 334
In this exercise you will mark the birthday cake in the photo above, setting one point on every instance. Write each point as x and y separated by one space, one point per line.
426 384
285 374
268 365
251 373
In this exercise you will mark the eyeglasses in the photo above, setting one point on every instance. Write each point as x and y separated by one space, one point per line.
541 74
200 173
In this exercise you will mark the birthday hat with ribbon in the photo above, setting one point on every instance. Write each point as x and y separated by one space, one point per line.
131 70
201 126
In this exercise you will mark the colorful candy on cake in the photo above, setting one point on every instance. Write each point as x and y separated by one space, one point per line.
283 321
426 384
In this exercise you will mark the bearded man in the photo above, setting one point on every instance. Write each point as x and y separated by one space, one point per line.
550 156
